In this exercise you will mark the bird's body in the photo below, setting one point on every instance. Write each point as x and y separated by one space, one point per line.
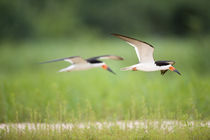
80 67
79 64
147 67
144 53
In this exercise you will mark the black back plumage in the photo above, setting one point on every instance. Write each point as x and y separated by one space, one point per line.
164 63
97 59
93 61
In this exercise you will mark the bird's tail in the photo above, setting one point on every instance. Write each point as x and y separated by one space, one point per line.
64 70
67 69
126 68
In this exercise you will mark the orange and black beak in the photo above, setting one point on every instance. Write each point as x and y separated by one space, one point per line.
175 70
108 68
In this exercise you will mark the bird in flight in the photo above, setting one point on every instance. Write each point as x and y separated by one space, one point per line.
78 63
144 53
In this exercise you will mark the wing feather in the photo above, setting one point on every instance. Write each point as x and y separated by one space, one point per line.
72 60
113 57
143 50
76 60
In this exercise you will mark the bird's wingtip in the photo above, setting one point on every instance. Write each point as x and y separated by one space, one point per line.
120 58
43 62
115 34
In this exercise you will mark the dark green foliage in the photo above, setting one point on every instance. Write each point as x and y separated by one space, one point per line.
13 24
51 18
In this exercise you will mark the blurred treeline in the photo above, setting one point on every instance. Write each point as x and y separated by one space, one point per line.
21 19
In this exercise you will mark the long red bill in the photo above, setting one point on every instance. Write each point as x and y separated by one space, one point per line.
175 70
108 68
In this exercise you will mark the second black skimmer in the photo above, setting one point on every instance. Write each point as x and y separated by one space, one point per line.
144 52
78 63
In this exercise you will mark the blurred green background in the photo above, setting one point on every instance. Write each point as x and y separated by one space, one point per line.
34 31
73 18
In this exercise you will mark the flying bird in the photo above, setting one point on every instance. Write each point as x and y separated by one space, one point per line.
144 53
78 63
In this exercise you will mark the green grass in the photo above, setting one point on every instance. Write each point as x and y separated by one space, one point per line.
30 92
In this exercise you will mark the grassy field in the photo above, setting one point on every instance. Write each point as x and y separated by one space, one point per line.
117 130
30 92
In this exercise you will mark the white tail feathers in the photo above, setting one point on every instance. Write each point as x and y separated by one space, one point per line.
68 69
126 68
64 70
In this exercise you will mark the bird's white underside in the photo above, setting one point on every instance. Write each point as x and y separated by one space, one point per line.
146 67
79 67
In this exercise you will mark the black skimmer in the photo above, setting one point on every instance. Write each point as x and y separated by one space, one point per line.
144 52
78 63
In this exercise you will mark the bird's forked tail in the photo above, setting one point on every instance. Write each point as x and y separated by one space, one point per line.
126 68
64 70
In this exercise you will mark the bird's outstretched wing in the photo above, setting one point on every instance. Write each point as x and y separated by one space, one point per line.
144 50
113 57
72 60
